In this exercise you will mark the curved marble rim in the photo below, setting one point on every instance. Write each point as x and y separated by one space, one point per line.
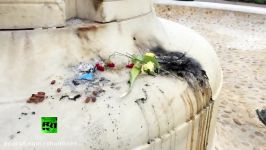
219 6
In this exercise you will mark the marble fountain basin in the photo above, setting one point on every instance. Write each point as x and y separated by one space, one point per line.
238 35
161 112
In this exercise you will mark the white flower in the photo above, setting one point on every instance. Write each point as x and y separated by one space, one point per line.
150 54
148 67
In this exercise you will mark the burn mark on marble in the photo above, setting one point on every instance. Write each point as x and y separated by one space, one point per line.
88 28
181 65
24 114
74 98
140 102
143 99
11 137
190 70
167 109
82 32
76 83
27 42
97 4
169 120
161 91
150 141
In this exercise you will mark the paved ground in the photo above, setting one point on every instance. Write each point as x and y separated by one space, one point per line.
235 3
232 2
240 41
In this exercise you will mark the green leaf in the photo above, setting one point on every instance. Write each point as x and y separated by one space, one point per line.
135 71
136 59
147 59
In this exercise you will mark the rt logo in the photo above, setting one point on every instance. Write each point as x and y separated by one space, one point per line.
49 124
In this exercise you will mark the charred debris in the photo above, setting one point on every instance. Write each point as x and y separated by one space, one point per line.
181 65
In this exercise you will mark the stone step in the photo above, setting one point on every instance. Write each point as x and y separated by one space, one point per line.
21 14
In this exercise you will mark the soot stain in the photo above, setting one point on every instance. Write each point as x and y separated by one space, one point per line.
97 4
143 99
182 65
82 32
70 98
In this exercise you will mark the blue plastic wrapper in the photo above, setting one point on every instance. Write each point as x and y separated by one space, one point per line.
86 76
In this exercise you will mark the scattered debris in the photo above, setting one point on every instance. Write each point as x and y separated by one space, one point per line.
93 99
53 82
90 99
40 93
85 67
87 71
24 114
161 90
150 141
64 96
112 85
97 92
74 98
142 100
84 72
86 76
58 90
36 98
75 82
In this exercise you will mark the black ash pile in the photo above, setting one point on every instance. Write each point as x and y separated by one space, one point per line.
183 66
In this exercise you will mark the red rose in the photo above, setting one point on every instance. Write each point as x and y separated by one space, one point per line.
99 67
130 65
111 65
